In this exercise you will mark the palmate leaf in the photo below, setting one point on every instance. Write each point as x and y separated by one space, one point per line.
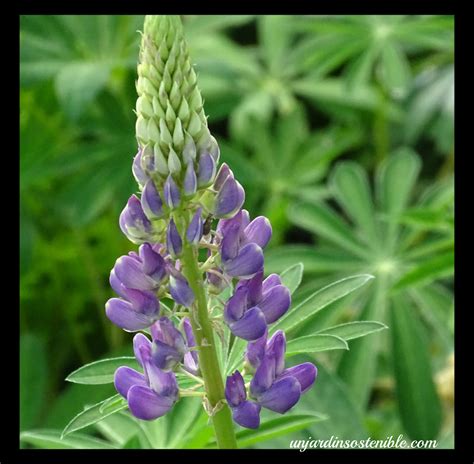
352 189
79 56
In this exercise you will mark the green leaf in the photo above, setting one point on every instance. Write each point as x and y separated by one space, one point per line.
395 180
395 69
276 427
51 439
274 34
291 277
315 343
351 330
319 300
236 354
394 183
95 413
100 372
429 270
118 428
418 402
359 70
331 396
321 220
279 258
77 84
33 379
351 186
358 366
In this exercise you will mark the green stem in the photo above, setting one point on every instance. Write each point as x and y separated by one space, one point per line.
208 362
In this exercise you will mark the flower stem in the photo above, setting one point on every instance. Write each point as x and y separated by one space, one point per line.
208 362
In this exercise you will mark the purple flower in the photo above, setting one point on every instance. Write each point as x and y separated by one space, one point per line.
270 295
140 176
195 228
151 201
191 356
230 194
206 170
173 240
244 412
134 223
274 387
134 278
149 395
241 244
171 193
190 180
244 322
169 345
180 289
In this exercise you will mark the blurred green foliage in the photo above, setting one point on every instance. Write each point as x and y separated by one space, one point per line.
340 128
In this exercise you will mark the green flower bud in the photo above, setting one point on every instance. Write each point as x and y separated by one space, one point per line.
169 108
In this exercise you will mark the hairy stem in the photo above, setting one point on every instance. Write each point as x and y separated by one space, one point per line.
208 362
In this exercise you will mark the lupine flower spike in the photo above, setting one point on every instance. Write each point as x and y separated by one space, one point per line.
182 190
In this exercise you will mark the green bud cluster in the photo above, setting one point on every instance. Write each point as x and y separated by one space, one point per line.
171 126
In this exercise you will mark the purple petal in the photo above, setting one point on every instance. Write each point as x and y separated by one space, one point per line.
164 356
180 290
161 382
271 281
151 201
191 362
275 303
137 215
235 389
231 242
190 180
116 285
129 271
230 198
121 313
247 263
173 240
247 414
171 193
206 170
141 347
251 326
143 301
222 175
254 287
165 331
125 378
194 232
236 305
224 224
153 263
259 231
304 373
281 396
140 176
145 404
276 347
256 350
263 377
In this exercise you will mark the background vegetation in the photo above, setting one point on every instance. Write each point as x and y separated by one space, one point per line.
341 130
